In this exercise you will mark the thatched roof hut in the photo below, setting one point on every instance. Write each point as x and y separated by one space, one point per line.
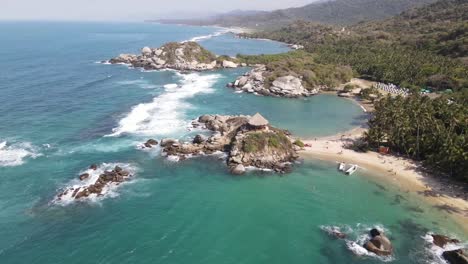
258 121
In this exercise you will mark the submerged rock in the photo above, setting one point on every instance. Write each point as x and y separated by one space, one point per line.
150 143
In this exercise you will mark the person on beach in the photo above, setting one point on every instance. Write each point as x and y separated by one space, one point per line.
379 243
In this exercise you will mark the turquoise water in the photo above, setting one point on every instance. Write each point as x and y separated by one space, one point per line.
62 111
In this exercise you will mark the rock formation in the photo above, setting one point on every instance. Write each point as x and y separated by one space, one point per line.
458 256
150 143
248 141
188 56
258 81
441 241
379 243
115 176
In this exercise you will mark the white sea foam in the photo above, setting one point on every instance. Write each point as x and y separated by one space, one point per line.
16 153
356 237
110 190
144 84
165 114
205 37
435 253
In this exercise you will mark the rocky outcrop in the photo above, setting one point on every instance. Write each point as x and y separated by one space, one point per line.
263 147
115 176
258 81
229 64
188 56
441 240
150 143
379 243
456 256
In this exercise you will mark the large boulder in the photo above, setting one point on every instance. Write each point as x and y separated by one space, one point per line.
150 143
238 169
199 139
168 142
455 256
289 85
146 51
229 64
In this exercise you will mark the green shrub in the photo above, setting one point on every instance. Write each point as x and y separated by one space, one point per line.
299 143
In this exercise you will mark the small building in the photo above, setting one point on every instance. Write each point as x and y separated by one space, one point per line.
258 122
384 150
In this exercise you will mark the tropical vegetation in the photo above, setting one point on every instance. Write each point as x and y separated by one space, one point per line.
434 131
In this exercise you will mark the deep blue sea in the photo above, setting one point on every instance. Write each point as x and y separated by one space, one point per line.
62 110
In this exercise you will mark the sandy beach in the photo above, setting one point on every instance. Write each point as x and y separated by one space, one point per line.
404 173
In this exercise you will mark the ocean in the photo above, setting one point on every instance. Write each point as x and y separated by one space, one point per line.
62 110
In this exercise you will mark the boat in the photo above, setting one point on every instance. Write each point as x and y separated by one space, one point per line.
341 166
351 170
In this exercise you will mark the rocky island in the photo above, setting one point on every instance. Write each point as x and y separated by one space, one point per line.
256 81
247 141
186 56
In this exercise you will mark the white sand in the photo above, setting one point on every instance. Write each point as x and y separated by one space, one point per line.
400 171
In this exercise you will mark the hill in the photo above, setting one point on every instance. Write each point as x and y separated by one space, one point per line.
338 12
426 46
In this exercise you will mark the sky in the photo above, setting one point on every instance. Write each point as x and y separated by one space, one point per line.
130 10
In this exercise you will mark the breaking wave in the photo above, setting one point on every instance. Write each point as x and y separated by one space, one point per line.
16 153
357 237
434 253
165 114
109 190
205 37
144 84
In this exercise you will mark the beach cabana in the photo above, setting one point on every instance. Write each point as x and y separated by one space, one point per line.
258 122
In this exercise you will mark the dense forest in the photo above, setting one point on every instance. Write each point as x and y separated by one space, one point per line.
337 12
424 47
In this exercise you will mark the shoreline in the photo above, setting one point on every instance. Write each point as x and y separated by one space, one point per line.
404 173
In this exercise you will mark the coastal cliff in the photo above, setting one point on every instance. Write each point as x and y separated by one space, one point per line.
248 142
186 56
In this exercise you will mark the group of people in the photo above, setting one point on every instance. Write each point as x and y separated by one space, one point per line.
392 88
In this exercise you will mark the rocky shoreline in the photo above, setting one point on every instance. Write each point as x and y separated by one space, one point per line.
257 81
187 56
247 141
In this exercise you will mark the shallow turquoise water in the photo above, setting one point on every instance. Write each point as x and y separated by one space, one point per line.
61 112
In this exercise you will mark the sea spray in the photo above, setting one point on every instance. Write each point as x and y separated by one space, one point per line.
109 190
166 113
15 154
356 237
